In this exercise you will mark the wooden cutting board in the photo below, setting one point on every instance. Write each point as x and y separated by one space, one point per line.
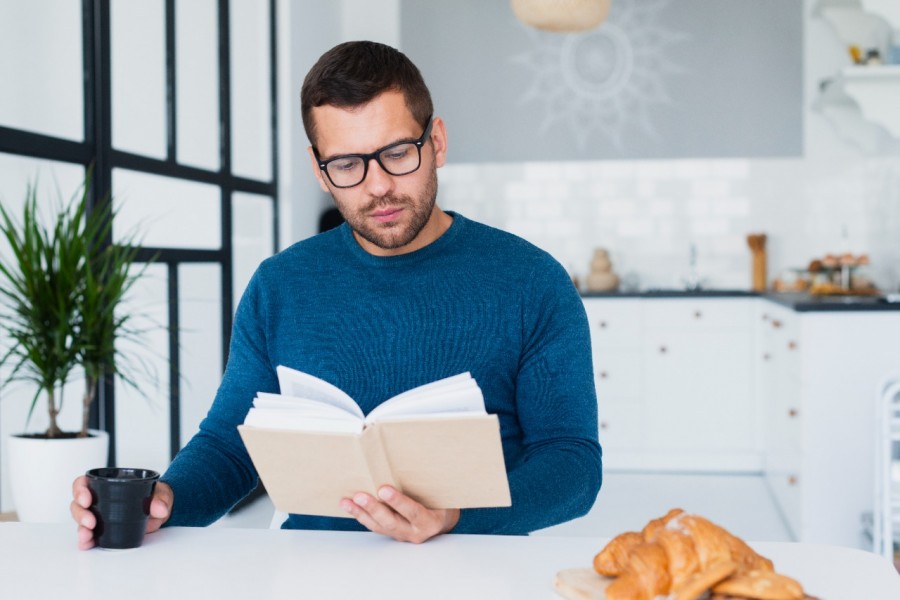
581 584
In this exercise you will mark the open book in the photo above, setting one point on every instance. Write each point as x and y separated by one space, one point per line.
312 445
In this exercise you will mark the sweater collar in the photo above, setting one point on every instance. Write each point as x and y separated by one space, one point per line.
432 249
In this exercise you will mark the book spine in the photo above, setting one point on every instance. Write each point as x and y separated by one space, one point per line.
377 458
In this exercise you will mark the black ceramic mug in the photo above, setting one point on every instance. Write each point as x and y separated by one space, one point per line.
120 499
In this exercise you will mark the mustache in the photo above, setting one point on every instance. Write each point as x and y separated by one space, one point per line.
386 201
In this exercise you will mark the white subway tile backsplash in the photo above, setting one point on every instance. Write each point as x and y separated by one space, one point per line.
731 169
619 207
648 213
718 188
731 207
603 189
692 169
543 208
545 171
635 227
661 207
698 207
709 227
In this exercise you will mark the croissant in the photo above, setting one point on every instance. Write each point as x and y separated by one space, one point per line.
683 556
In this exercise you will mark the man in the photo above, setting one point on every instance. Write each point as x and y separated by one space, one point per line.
401 294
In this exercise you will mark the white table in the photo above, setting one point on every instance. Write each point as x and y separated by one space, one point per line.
41 561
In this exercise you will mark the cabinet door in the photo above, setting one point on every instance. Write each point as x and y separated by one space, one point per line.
698 391
698 387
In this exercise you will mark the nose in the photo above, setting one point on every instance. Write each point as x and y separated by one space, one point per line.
378 181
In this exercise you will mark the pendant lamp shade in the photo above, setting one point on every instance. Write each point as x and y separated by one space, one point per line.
563 16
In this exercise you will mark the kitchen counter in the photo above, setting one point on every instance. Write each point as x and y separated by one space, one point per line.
800 302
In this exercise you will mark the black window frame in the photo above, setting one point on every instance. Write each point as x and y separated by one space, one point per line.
97 150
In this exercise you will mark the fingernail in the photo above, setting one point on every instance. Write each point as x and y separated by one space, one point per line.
386 493
85 522
361 499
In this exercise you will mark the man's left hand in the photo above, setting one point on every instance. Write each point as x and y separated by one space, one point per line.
398 516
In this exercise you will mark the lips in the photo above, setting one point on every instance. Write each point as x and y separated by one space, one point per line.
386 215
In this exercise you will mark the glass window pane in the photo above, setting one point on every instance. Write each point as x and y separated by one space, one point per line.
251 102
41 67
197 75
167 212
55 180
138 76
200 330
253 238
142 417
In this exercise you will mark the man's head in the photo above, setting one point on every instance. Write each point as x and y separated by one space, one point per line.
354 73
375 148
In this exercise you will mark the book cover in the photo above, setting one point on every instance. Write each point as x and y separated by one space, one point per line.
312 445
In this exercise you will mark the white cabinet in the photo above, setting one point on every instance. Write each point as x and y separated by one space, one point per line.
818 375
674 383
748 385
618 374
779 388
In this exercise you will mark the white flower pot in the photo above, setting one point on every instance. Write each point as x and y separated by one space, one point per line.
41 472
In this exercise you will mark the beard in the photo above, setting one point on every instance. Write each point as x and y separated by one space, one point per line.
393 234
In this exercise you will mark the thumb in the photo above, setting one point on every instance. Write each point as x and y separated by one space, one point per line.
160 507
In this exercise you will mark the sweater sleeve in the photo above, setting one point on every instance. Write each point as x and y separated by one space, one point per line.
213 471
560 472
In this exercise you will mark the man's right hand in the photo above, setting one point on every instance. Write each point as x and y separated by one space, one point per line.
160 509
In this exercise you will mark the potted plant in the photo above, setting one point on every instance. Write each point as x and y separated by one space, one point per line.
61 284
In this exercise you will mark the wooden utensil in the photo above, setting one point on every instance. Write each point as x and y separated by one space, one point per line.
757 244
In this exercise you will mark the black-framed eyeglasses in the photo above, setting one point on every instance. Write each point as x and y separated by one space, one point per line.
349 170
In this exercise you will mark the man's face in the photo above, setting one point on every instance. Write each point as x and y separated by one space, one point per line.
389 214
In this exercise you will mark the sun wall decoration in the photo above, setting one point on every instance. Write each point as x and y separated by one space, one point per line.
602 81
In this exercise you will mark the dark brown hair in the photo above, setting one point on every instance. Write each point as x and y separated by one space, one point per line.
354 73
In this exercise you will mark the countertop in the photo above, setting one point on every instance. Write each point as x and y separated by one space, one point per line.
800 302
185 562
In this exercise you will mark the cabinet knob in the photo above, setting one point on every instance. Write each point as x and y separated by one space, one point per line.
697 314
792 345
776 323
765 317
767 356
604 375
792 480
663 349
793 412
604 425
601 324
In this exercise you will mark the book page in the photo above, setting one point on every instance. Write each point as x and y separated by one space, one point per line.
298 420
452 395
298 384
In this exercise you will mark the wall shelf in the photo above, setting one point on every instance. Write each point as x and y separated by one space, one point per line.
871 90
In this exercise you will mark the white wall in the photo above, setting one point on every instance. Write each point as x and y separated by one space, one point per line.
314 28
648 213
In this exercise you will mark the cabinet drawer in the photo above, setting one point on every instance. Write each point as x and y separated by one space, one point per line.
620 425
614 323
787 490
617 373
696 313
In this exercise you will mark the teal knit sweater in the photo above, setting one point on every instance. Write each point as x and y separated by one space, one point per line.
477 299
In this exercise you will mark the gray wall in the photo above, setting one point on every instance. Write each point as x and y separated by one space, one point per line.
658 79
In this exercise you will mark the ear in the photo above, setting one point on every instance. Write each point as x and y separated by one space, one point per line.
317 171
439 140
